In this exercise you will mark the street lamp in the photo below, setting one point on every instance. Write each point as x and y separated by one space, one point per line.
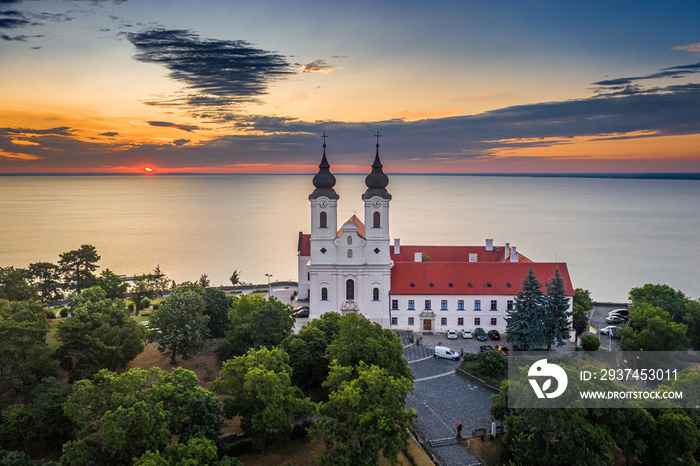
269 291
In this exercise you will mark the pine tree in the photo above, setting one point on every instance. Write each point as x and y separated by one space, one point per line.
525 323
556 321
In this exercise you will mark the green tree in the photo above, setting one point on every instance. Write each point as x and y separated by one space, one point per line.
216 307
235 278
18 428
121 416
659 335
115 287
256 322
262 395
307 355
194 452
160 282
204 281
26 358
14 285
556 312
100 335
53 426
692 320
524 323
360 340
364 416
581 305
181 323
77 267
662 296
554 437
675 440
47 279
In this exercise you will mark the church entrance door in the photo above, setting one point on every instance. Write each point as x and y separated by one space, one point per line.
427 325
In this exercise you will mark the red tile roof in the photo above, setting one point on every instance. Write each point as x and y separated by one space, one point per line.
454 253
358 222
479 274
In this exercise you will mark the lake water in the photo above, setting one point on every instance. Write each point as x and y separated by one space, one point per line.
614 234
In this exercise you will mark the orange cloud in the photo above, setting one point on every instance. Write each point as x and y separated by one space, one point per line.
17 155
445 112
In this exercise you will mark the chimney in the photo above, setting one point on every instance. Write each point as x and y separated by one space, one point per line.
489 245
473 257
397 246
418 257
514 255
507 251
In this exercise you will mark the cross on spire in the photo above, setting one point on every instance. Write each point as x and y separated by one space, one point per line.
378 136
324 139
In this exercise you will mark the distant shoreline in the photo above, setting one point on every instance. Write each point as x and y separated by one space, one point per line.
627 176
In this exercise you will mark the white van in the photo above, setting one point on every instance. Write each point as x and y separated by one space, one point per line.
445 352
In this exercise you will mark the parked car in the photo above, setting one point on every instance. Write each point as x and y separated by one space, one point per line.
445 352
503 349
494 335
610 330
615 320
485 348
466 333
451 334
480 334
620 312
301 311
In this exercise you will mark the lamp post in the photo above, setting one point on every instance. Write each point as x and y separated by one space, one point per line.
269 290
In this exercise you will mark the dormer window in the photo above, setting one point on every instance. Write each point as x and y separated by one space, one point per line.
451 285
508 284
469 284
488 284
431 285
413 285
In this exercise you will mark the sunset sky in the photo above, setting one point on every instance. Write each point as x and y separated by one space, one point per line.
221 86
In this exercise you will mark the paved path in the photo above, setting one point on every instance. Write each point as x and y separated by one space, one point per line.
442 398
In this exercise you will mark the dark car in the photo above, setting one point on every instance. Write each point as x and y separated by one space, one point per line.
494 335
480 334
301 311
485 348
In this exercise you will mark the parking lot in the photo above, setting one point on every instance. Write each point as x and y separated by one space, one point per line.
596 320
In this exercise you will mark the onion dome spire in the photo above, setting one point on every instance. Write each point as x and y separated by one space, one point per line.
324 181
377 181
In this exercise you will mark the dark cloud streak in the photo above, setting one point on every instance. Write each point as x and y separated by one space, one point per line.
215 72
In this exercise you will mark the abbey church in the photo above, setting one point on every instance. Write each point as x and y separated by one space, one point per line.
356 268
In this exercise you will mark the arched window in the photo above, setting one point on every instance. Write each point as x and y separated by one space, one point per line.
349 253
324 294
323 220
377 220
375 294
350 290
349 239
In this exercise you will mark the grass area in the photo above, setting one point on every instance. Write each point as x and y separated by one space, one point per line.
487 451
51 336
141 318
262 294
469 365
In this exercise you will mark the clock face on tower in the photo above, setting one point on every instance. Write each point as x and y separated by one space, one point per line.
323 203
376 203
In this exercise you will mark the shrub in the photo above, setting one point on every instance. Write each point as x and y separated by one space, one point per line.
131 306
156 306
590 343
145 303
63 312
50 314
492 363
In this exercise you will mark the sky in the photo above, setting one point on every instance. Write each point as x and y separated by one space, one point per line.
223 86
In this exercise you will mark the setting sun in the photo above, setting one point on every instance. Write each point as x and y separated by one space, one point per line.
148 170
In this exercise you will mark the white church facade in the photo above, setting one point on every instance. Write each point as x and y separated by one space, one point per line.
356 268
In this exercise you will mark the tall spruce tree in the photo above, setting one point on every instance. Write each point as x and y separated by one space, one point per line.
556 318
525 323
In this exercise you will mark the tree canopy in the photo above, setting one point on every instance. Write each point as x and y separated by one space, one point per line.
77 267
525 327
181 323
262 395
100 335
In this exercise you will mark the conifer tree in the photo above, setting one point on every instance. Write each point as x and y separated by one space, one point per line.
556 322
525 322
